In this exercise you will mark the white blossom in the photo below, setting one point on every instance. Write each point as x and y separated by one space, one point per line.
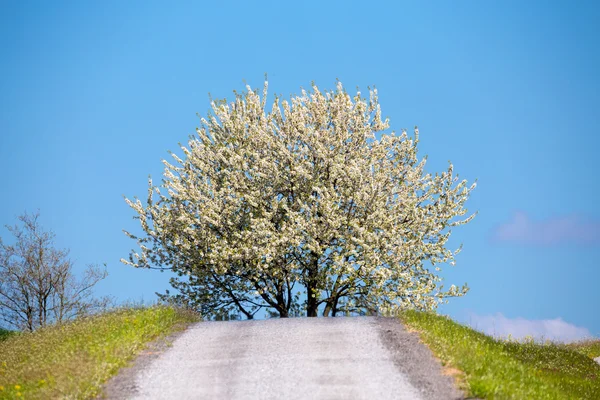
303 193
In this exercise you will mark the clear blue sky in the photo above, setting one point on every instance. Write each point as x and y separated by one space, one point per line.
93 94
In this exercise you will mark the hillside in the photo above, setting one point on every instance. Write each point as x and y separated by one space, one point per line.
5 334
75 359
489 368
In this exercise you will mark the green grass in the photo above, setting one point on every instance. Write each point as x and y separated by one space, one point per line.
5 334
590 348
74 360
497 369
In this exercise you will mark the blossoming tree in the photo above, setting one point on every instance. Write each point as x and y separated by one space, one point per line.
264 205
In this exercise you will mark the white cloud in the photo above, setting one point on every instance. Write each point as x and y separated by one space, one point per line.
546 329
567 229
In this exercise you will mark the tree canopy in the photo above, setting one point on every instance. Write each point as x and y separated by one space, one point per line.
310 196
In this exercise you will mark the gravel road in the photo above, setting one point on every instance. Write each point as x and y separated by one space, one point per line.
296 358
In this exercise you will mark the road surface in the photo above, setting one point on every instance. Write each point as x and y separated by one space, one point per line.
296 358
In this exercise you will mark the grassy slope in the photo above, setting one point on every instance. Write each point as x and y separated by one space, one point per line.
495 369
590 348
4 334
75 359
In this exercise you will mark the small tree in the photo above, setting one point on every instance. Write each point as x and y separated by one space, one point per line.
37 285
304 195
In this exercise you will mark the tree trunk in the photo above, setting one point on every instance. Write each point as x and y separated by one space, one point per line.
332 306
312 302
282 308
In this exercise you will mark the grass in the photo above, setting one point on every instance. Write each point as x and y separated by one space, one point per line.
495 369
74 360
5 334
590 348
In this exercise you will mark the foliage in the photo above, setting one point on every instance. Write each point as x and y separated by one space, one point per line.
304 195
497 369
37 285
73 360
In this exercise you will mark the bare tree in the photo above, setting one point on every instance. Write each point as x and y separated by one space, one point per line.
37 285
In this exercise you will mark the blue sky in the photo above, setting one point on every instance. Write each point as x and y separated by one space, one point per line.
94 94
